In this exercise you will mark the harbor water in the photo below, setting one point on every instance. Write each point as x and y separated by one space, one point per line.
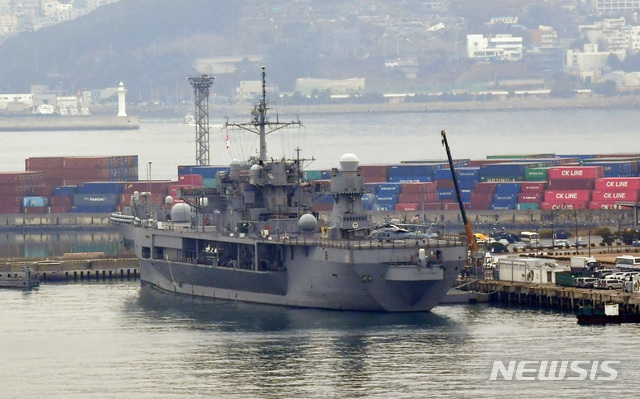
120 340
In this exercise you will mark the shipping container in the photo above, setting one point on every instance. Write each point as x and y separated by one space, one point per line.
190 180
95 199
485 188
568 205
445 184
624 183
64 191
10 208
536 174
208 172
44 163
527 206
59 208
389 188
37 210
433 206
575 172
33 201
503 206
604 205
154 186
408 179
312 175
424 171
406 207
105 208
427 187
533 187
569 195
61 201
571 184
505 197
508 188
530 197
615 195
417 197
446 194
100 188
374 173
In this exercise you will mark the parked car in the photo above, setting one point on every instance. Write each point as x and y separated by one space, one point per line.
606 272
561 244
581 243
584 282
608 284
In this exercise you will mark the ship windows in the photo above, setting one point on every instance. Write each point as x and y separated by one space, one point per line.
146 252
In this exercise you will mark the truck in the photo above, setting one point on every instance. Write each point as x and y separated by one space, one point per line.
580 263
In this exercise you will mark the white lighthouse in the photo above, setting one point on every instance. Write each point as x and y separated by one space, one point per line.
122 92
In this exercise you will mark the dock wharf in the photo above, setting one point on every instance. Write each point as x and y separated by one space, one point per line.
78 269
550 296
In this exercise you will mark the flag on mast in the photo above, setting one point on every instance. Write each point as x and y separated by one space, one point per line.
416 217
227 140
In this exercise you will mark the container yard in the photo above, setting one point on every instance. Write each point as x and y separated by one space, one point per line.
536 182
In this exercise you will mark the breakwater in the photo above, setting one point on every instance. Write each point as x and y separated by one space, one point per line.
38 123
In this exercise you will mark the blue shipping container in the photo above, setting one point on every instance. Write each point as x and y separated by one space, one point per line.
446 194
100 188
508 188
408 179
208 172
64 191
389 188
96 199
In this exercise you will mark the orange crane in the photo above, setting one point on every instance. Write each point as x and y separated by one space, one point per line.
467 225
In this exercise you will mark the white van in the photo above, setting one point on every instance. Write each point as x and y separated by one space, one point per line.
626 262
529 236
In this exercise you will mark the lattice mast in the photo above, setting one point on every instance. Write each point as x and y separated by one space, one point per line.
260 123
201 86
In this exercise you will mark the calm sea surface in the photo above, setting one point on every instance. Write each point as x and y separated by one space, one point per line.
118 340
373 137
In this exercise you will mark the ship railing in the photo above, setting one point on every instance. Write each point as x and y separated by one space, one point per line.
374 244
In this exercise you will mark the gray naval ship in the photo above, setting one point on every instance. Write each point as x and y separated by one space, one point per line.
255 238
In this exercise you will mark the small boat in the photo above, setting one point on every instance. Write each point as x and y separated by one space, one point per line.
610 315
189 119
26 278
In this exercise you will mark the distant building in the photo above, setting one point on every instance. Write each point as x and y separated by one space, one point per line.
504 20
544 36
249 90
351 86
503 47
614 6
589 63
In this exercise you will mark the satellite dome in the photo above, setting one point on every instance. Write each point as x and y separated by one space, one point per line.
235 164
349 163
181 213
307 223
168 200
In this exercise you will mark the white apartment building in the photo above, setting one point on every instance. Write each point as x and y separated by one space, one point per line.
589 63
611 6
502 47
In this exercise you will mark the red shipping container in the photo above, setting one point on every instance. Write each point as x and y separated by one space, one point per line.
575 172
564 205
375 178
623 183
85 162
10 208
417 197
18 177
426 187
157 186
433 206
535 197
571 184
374 173
190 180
567 196
603 205
527 187
43 163
41 191
59 209
478 206
14 189
406 207
617 195
61 201
451 206
481 196
10 199
444 184
36 210
485 187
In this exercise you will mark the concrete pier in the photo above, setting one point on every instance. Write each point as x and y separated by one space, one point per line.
42 123
78 269
551 296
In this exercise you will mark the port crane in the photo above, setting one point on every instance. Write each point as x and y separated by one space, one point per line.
467 225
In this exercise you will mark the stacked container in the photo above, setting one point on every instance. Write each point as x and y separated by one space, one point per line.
60 171
97 197
14 186
570 187
609 192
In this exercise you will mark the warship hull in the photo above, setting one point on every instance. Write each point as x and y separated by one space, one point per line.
372 277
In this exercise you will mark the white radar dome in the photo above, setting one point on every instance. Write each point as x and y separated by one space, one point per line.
307 223
181 213
168 200
349 163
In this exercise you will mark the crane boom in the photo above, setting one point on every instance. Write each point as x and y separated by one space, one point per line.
467 225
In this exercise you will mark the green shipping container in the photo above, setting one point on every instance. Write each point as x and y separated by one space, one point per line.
527 206
536 174
564 279
312 175
500 179
210 183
